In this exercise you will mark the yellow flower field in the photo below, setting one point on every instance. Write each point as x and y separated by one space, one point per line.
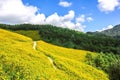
19 61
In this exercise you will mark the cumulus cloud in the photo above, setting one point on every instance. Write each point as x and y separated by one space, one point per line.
65 21
65 4
37 19
106 28
15 12
54 19
79 23
108 5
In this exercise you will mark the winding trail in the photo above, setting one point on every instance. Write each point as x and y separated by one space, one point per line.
50 59
34 45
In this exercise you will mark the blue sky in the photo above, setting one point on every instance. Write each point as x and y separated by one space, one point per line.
81 15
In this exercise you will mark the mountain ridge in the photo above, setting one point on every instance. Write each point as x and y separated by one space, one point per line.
113 32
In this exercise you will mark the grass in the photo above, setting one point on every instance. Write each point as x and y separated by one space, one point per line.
19 61
33 34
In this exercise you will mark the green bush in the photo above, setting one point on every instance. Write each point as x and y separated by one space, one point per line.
114 70
110 63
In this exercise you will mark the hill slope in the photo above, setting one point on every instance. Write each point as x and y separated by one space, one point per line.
34 34
114 32
67 38
19 61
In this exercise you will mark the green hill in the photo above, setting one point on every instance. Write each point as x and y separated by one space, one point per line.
20 61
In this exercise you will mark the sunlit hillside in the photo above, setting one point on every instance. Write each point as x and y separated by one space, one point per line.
19 61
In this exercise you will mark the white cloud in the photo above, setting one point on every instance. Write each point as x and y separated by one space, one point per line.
15 12
54 19
80 19
62 21
66 21
79 26
106 28
108 5
65 4
80 22
38 19
57 20
69 16
89 19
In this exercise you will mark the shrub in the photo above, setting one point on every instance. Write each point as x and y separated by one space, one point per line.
110 63
114 70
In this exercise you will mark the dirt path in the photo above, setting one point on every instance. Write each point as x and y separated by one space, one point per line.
34 45
50 59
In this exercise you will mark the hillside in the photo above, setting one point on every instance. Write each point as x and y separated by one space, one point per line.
67 38
114 32
19 61
33 34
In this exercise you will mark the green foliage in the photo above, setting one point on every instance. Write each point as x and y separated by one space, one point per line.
110 63
34 34
20 27
90 59
114 70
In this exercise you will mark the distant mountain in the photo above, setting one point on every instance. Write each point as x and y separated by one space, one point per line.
114 32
